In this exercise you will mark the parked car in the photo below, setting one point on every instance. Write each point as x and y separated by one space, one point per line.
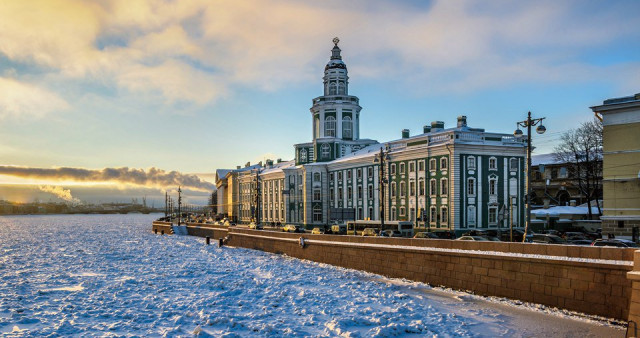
318 231
426 235
472 238
547 239
255 226
391 233
292 228
339 229
370 232
618 243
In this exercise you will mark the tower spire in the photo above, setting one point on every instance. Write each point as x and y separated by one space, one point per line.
335 52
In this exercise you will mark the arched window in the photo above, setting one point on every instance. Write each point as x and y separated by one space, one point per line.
444 186
303 155
342 88
347 127
333 88
330 126
326 150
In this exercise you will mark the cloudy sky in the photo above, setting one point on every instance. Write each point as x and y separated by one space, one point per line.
176 88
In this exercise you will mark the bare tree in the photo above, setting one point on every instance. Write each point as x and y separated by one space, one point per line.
213 202
581 149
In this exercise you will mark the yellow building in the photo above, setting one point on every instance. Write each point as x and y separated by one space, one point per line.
621 164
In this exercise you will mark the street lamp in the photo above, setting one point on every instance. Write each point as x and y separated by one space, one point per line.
381 159
528 123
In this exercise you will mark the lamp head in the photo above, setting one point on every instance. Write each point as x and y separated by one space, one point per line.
541 129
517 133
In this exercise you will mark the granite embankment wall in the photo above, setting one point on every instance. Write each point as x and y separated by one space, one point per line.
591 280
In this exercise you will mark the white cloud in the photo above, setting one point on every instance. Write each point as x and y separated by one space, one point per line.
24 100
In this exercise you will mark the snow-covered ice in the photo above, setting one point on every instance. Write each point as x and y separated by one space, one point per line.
108 275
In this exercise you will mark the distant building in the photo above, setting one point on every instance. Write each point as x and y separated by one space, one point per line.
443 179
621 172
553 182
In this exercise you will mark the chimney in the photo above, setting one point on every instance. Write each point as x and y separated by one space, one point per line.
426 129
260 164
269 163
279 160
238 167
462 121
437 126
247 165
405 133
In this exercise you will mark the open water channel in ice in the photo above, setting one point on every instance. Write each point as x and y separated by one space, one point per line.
108 275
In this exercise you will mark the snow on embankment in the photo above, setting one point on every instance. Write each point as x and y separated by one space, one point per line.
108 275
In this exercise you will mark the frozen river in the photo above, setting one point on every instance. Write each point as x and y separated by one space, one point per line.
108 275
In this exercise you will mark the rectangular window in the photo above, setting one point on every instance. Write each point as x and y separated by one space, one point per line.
402 211
370 172
471 162
493 186
471 186
513 164
349 193
412 188
443 163
412 167
339 175
393 189
359 173
339 193
370 191
403 191
401 168
432 215
421 187
331 177
444 215
432 164
359 192
349 174
493 215
393 169
493 163
444 186
331 197
432 188
421 166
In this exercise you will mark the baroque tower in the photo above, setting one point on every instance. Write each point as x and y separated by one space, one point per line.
335 116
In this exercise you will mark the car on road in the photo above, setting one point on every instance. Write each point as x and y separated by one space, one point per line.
547 239
426 235
318 231
618 243
292 228
370 232
339 229
472 238
255 226
391 233
580 242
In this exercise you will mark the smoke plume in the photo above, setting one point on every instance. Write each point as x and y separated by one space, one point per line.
152 177
60 192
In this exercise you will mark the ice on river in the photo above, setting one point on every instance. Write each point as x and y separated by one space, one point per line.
97 275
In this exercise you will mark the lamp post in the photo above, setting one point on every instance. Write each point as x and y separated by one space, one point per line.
528 123
381 159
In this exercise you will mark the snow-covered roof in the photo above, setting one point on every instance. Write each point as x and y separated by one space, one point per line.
279 166
367 151
564 210
544 159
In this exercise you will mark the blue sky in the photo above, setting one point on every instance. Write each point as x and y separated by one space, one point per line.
200 85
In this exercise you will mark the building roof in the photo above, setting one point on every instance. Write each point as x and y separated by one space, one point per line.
544 159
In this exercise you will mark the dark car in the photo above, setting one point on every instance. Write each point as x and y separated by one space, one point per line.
547 239
426 235
580 242
391 233
618 243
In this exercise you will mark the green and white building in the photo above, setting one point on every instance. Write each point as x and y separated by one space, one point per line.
444 179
